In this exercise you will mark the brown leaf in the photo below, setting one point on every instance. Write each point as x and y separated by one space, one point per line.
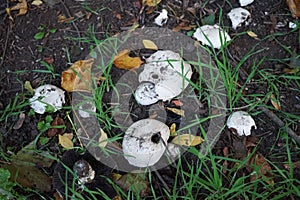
21 6
294 6
54 131
151 3
124 61
63 19
182 26
275 102
78 76
265 170
187 140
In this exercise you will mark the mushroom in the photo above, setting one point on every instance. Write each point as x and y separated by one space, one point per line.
145 142
75 172
238 16
162 18
212 36
168 75
47 95
241 123
245 2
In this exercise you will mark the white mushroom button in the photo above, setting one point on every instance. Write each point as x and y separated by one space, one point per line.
238 16
212 36
241 123
162 18
145 142
47 95
168 72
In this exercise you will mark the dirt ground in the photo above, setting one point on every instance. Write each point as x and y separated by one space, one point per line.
21 53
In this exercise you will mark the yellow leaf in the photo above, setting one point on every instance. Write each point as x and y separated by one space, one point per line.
251 34
28 87
148 44
275 102
176 111
37 2
78 76
103 139
21 6
187 140
65 140
124 61
151 3
173 130
294 6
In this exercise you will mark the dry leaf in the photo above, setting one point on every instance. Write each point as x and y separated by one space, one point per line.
252 34
103 139
65 140
151 3
21 6
177 102
294 6
148 44
187 140
173 130
63 19
78 76
37 2
28 87
124 61
176 111
275 102
54 131
182 26
258 160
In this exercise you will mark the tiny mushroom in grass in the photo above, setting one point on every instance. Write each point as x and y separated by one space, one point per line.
164 77
241 122
162 18
47 95
238 16
213 36
145 142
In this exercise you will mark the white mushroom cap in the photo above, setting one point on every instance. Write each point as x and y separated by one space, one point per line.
238 16
162 18
245 2
242 122
138 146
145 93
47 95
212 36
169 73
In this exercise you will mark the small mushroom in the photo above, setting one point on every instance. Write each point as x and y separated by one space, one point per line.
238 16
212 36
47 95
241 123
168 72
245 2
145 142
145 93
162 18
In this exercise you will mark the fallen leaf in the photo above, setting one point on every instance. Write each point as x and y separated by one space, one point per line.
78 76
103 139
173 130
37 2
177 102
20 121
117 15
252 34
264 169
21 6
187 140
148 44
28 87
275 102
124 61
182 26
55 130
294 6
151 3
176 111
65 141
63 19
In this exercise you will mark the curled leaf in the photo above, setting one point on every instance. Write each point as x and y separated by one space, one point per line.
78 76
21 6
187 140
124 61
148 44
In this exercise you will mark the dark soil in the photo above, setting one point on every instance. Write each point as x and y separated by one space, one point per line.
21 54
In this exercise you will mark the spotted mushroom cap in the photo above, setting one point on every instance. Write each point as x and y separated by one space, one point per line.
144 142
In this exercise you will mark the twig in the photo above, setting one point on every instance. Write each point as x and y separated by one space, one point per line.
280 123
73 23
